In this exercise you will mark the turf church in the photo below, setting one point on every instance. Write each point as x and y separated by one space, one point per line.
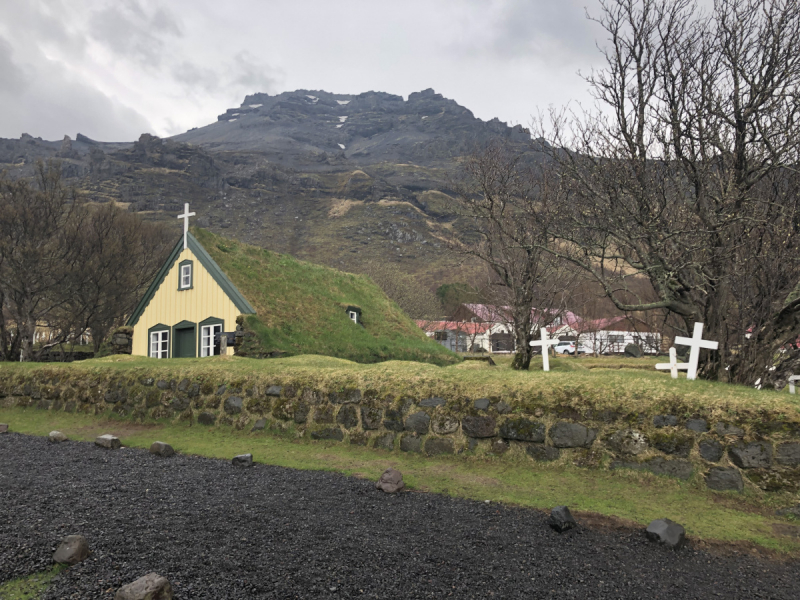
189 302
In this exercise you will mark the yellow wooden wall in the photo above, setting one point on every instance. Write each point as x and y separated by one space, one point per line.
170 306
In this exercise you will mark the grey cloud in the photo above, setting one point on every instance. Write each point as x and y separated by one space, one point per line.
252 74
12 76
130 31
244 73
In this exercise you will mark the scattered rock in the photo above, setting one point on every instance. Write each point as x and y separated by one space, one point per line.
348 416
660 421
432 402
478 427
755 455
3 427
542 453
481 403
57 437
221 390
711 450
561 519
391 481
571 435
410 442
724 478
274 390
162 385
667 532
207 418
724 429
419 422
682 469
434 446
233 405
72 550
260 424
502 408
242 460
628 441
445 424
161 449
788 455
698 425
150 587
385 441
523 430
371 417
108 441
328 433
678 444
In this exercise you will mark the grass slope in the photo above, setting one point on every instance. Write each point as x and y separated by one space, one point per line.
632 498
301 308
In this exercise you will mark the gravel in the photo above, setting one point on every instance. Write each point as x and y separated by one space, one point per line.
216 531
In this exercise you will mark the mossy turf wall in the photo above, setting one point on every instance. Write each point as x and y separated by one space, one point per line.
595 418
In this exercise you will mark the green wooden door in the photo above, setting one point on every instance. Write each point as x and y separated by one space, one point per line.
184 343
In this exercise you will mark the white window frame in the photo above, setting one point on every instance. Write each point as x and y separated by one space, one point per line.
207 333
186 276
353 316
159 344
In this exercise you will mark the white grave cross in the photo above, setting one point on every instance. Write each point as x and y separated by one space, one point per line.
544 343
673 365
695 343
185 216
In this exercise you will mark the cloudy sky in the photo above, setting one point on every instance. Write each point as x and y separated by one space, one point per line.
117 68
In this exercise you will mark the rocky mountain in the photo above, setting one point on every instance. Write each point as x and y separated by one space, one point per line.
333 178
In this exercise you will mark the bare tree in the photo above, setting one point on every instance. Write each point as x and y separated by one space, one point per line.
686 173
505 205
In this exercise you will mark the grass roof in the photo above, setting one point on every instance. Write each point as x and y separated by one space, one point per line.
299 308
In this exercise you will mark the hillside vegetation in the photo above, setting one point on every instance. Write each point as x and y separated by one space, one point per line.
301 308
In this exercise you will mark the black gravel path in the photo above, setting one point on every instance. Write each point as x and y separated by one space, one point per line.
267 532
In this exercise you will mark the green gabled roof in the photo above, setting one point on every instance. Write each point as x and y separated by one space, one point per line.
205 259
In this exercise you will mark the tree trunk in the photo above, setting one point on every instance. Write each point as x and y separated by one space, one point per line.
522 337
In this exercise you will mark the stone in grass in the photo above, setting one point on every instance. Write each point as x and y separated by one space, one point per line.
561 519
72 550
108 441
242 460
161 449
391 481
660 421
698 425
150 587
667 532
434 446
571 435
755 455
207 418
724 478
57 437
260 424
711 450
3 427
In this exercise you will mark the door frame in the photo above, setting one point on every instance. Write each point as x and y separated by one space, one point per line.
182 326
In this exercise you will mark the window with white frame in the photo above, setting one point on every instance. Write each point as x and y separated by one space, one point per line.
207 345
186 276
354 316
159 344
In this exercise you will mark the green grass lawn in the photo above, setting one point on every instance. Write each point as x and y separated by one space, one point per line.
28 588
634 497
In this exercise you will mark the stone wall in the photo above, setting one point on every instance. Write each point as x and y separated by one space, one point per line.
729 455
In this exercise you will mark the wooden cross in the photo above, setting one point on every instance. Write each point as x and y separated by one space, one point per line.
792 379
185 216
544 343
673 365
695 343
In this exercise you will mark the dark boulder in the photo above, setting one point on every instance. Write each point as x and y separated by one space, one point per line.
161 449
150 587
711 450
434 446
206 418
698 425
633 351
410 442
348 416
542 453
481 404
242 460
561 519
371 417
660 421
724 478
523 430
259 425
788 455
478 427
666 532
108 441
274 390
419 422
328 433
724 429
755 455
385 441
393 420
56 437
571 435
233 405
682 469
432 402
301 413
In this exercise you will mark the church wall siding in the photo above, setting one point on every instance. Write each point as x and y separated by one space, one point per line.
171 306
